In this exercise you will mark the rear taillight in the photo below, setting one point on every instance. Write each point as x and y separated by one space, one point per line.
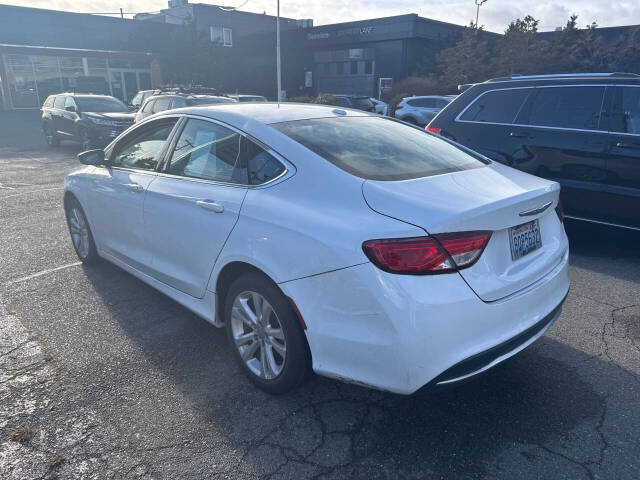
399 106
560 211
431 129
441 253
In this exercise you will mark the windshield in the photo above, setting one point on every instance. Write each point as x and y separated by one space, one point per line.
100 104
376 148
252 99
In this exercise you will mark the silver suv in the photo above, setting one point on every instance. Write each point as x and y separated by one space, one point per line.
421 110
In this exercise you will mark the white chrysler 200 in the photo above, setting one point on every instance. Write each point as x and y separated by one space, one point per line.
358 246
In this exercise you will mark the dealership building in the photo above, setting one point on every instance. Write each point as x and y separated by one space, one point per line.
63 51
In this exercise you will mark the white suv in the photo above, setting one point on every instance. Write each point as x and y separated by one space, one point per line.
421 110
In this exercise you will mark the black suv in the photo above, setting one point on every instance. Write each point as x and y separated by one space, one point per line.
581 130
92 120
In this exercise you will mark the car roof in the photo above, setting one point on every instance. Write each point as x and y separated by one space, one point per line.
445 97
238 114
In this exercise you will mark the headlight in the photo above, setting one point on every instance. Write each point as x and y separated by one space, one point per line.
103 121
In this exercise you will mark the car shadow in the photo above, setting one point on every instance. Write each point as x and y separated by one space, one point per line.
525 410
593 247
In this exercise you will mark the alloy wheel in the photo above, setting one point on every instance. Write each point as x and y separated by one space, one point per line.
258 335
79 231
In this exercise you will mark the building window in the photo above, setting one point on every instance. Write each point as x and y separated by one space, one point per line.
340 68
326 68
368 67
222 35
354 68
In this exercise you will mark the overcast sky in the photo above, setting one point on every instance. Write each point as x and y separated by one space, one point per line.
494 14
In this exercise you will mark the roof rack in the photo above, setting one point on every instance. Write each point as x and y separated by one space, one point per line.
190 90
565 75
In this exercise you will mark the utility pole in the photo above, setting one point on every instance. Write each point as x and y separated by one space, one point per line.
278 55
479 4
121 14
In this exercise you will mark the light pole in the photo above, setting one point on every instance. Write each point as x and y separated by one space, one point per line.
478 3
278 54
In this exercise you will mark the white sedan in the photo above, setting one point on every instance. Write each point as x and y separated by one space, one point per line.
335 240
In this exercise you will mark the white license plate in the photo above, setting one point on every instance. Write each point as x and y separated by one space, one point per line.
524 239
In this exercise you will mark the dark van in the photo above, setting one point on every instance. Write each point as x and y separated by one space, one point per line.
581 130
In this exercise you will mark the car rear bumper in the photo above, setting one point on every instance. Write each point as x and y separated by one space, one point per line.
400 333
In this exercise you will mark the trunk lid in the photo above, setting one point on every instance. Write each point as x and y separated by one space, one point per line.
488 198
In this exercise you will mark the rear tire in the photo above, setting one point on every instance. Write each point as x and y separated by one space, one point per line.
265 334
80 232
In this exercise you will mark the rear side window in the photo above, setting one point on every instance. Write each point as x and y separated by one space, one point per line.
59 102
497 106
377 148
179 102
567 107
261 165
208 151
423 102
148 107
161 104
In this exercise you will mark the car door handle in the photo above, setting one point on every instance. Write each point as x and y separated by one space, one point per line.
518 134
134 187
628 145
210 206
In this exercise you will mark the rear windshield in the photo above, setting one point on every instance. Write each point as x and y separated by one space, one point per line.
376 148
100 104
362 102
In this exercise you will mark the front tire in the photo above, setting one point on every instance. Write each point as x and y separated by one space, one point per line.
80 232
50 136
85 140
265 334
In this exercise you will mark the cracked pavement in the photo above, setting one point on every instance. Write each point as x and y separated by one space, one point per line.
103 377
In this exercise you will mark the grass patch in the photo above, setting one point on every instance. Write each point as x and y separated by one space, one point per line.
22 435
56 460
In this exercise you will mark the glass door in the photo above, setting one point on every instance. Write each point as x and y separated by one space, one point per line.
130 86
117 85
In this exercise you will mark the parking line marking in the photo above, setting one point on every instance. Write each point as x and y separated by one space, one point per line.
30 191
43 272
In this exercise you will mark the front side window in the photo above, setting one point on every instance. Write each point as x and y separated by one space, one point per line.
626 110
498 106
378 148
261 165
567 107
179 102
208 151
141 149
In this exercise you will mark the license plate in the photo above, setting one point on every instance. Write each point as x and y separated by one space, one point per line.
524 239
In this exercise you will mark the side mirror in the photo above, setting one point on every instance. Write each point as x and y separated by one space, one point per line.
70 108
92 157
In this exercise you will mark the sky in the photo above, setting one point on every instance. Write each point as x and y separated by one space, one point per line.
495 15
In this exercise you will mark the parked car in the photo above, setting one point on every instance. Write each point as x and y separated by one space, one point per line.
248 98
380 107
358 102
92 120
336 240
582 131
139 98
420 110
162 102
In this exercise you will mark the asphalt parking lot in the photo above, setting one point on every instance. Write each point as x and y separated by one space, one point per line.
103 377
